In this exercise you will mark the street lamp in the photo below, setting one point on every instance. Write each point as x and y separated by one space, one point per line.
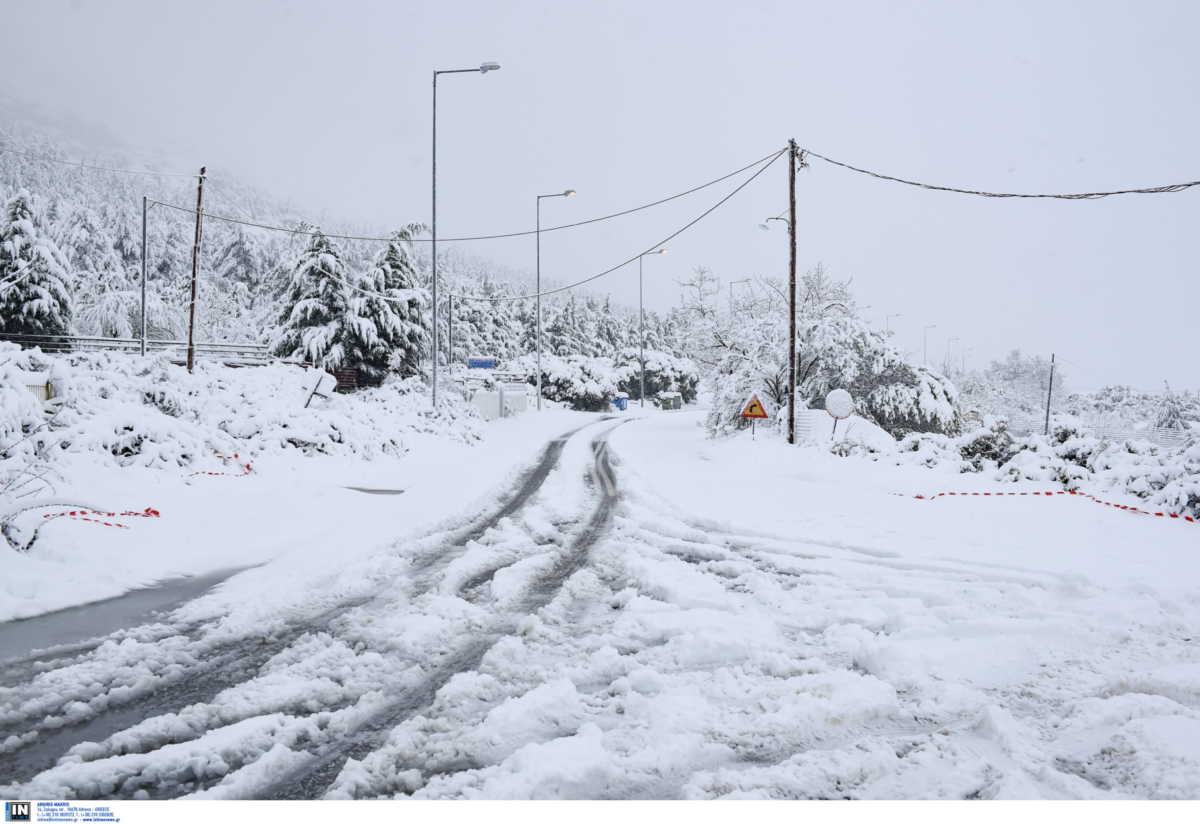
887 322
925 336
538 289
642 321
483 68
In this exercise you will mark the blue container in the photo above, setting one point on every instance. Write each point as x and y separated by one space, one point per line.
621 403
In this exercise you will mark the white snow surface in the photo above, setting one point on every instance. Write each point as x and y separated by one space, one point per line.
732 619
139 432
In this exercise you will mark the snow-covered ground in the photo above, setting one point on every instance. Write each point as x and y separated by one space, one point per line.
646 613
292 506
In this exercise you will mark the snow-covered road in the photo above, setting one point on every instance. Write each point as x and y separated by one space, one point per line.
615 628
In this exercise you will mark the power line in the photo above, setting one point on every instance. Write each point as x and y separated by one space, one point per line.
525 233
81 165
512 298
647 250
1149 190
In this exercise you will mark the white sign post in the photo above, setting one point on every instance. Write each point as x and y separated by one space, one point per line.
840 406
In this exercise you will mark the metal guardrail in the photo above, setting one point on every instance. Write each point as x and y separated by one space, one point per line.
237 353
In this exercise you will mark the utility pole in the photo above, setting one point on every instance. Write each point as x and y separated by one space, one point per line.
792 158
1049 391
145 208
191 348
733 283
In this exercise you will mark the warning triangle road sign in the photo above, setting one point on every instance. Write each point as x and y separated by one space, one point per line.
754 408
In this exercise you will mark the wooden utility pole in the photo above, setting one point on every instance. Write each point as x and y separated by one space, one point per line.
191 350
792 158
1049 390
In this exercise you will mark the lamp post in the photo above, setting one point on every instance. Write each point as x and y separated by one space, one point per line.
887 322
483 68
925 341
538 290
642 322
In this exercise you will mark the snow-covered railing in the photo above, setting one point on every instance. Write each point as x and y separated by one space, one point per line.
1024 425
228 352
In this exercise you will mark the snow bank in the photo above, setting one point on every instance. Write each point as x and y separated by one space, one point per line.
150 412
1164 478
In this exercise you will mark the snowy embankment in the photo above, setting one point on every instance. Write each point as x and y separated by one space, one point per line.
130 433
964 647
1131 470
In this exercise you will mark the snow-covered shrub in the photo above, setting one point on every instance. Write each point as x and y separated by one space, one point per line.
664 373
930 449
990 445
851 446
836 349
583 383
150 412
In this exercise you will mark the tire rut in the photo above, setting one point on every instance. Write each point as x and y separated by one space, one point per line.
230 663
315 780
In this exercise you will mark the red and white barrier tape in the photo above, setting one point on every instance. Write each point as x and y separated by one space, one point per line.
85 515
1090 497
247 468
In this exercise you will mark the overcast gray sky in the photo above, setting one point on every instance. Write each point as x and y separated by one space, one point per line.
329 104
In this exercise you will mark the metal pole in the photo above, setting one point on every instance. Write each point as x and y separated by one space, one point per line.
792 291
450 333
433 246
538 292
1049 390
642 331
191 347
145 207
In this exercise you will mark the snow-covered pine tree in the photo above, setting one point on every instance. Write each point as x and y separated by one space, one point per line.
312 323
34 296
400 321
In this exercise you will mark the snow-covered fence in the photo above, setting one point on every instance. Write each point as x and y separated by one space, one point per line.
1023 424
232 353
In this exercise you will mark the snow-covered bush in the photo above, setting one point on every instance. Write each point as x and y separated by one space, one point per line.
988 446
150 412
664 373
930 449
836 349
583 383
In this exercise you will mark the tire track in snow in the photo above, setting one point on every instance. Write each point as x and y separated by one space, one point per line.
227 664
315 779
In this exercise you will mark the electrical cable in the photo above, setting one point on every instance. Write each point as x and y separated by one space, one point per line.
501 236
82 165
1149 190
649 249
